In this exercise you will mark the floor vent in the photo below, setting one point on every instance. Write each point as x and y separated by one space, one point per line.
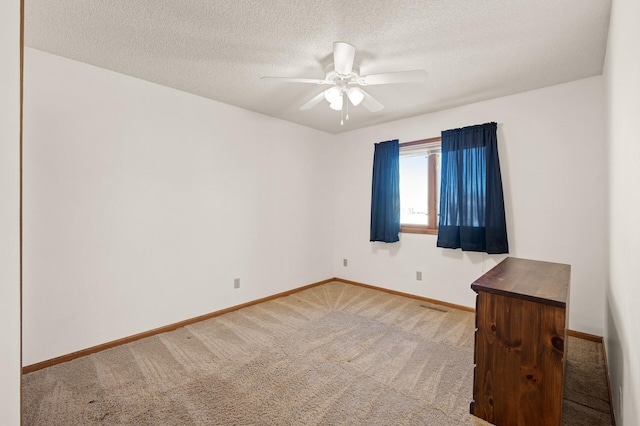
434 308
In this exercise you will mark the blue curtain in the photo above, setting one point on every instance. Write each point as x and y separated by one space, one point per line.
471 201
385 192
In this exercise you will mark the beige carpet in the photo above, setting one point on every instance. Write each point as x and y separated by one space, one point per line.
335 354
586 393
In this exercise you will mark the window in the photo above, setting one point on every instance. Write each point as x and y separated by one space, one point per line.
420 186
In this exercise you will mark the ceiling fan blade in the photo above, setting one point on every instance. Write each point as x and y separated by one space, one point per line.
313 102
296 80
370 103
414 76
343 56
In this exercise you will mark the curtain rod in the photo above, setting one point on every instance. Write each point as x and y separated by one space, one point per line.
421 141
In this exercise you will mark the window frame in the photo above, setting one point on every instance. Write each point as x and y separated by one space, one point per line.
432 227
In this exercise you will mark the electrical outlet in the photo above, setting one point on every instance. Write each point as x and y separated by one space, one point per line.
236 283
419 275
344 262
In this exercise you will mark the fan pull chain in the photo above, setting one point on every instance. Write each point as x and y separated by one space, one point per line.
342 116
347 102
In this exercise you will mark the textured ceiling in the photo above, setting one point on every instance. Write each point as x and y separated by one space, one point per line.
472 50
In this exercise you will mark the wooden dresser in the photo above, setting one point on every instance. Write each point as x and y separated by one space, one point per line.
521 330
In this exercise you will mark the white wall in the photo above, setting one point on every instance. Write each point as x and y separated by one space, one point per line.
10 212
553 157
143 203
622 337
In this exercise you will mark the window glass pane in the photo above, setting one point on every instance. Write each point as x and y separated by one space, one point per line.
414 190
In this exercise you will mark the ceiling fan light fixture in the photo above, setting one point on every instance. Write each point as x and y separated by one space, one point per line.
333 95
355 96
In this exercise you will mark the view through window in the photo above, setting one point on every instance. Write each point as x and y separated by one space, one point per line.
419 186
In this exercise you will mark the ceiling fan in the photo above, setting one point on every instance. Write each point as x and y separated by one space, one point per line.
346 83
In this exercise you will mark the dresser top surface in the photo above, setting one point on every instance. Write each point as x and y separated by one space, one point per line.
542 282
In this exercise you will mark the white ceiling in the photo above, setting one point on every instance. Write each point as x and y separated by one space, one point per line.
472 50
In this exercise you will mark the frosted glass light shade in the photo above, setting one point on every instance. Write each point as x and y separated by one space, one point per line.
333 94
355 95
337 105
